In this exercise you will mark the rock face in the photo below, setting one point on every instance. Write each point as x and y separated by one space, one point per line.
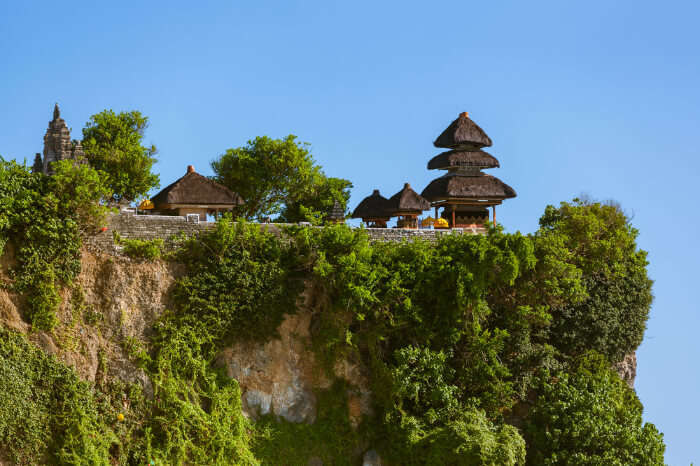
113 298
277 376
627 368
281 376
371 458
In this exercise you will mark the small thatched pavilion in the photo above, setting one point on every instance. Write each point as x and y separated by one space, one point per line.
373 210
465 192
407 205
195 194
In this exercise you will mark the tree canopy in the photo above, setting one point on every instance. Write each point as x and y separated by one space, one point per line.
113 144
279 177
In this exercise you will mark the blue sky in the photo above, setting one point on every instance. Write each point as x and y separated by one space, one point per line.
598 97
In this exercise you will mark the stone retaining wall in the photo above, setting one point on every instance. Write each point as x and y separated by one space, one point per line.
148 227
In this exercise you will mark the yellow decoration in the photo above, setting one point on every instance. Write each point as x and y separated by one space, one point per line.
146 204
427 221
441 223
120 417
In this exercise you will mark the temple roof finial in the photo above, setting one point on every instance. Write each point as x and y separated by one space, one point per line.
56 112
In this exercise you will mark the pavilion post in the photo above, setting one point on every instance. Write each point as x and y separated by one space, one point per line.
494 215
453 216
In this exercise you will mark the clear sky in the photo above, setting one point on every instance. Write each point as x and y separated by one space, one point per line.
600 97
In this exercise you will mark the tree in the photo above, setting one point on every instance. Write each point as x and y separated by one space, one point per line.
113 144
601 244
590 416
314 203
279 176
77 189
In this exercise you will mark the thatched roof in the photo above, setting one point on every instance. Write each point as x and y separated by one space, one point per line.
463 132
194 188
407 200
482 186
373 206
463 158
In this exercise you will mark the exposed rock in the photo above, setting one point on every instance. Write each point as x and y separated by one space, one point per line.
627 368
371 458
277 376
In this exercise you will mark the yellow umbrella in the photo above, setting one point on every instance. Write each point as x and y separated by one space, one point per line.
427 221
146 204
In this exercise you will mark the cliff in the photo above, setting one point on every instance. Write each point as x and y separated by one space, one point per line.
326 346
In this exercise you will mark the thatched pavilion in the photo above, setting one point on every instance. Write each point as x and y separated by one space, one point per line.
195 194
407 205
373 210
465 192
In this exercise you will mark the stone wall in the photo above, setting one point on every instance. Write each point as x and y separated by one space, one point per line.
148 227
144 227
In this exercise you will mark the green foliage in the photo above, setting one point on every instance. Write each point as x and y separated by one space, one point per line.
589 416
330 438
113 144
42 217
459 337
77 189
141 248
240 281
276 176
612 318
48 415
317 199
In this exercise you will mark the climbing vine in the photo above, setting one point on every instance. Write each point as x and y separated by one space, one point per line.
480 349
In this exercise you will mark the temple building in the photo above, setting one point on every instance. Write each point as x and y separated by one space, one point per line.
195 194
465 192
373 210
57 145
407 205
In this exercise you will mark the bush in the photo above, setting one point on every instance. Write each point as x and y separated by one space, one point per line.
612 318
141 248
590 416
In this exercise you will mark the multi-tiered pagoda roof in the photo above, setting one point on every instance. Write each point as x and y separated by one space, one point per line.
465 191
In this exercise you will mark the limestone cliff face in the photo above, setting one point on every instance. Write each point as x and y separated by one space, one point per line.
115 298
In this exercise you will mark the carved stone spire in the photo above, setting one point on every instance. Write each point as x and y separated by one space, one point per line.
57 143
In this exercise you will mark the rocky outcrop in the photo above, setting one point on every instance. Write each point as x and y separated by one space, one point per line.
281 376
115 298
627 368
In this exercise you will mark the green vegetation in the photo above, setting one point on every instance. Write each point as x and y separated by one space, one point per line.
42 218
589 416
482 350
141 248
48 415
113 144
279 176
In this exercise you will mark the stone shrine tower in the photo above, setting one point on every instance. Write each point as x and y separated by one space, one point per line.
58 145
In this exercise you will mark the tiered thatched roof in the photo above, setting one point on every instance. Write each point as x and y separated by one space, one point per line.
373 206
482 186
463 158
463 132
194 188
407 201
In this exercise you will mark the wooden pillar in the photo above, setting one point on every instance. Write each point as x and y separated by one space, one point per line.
453 216
436 217
494 215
